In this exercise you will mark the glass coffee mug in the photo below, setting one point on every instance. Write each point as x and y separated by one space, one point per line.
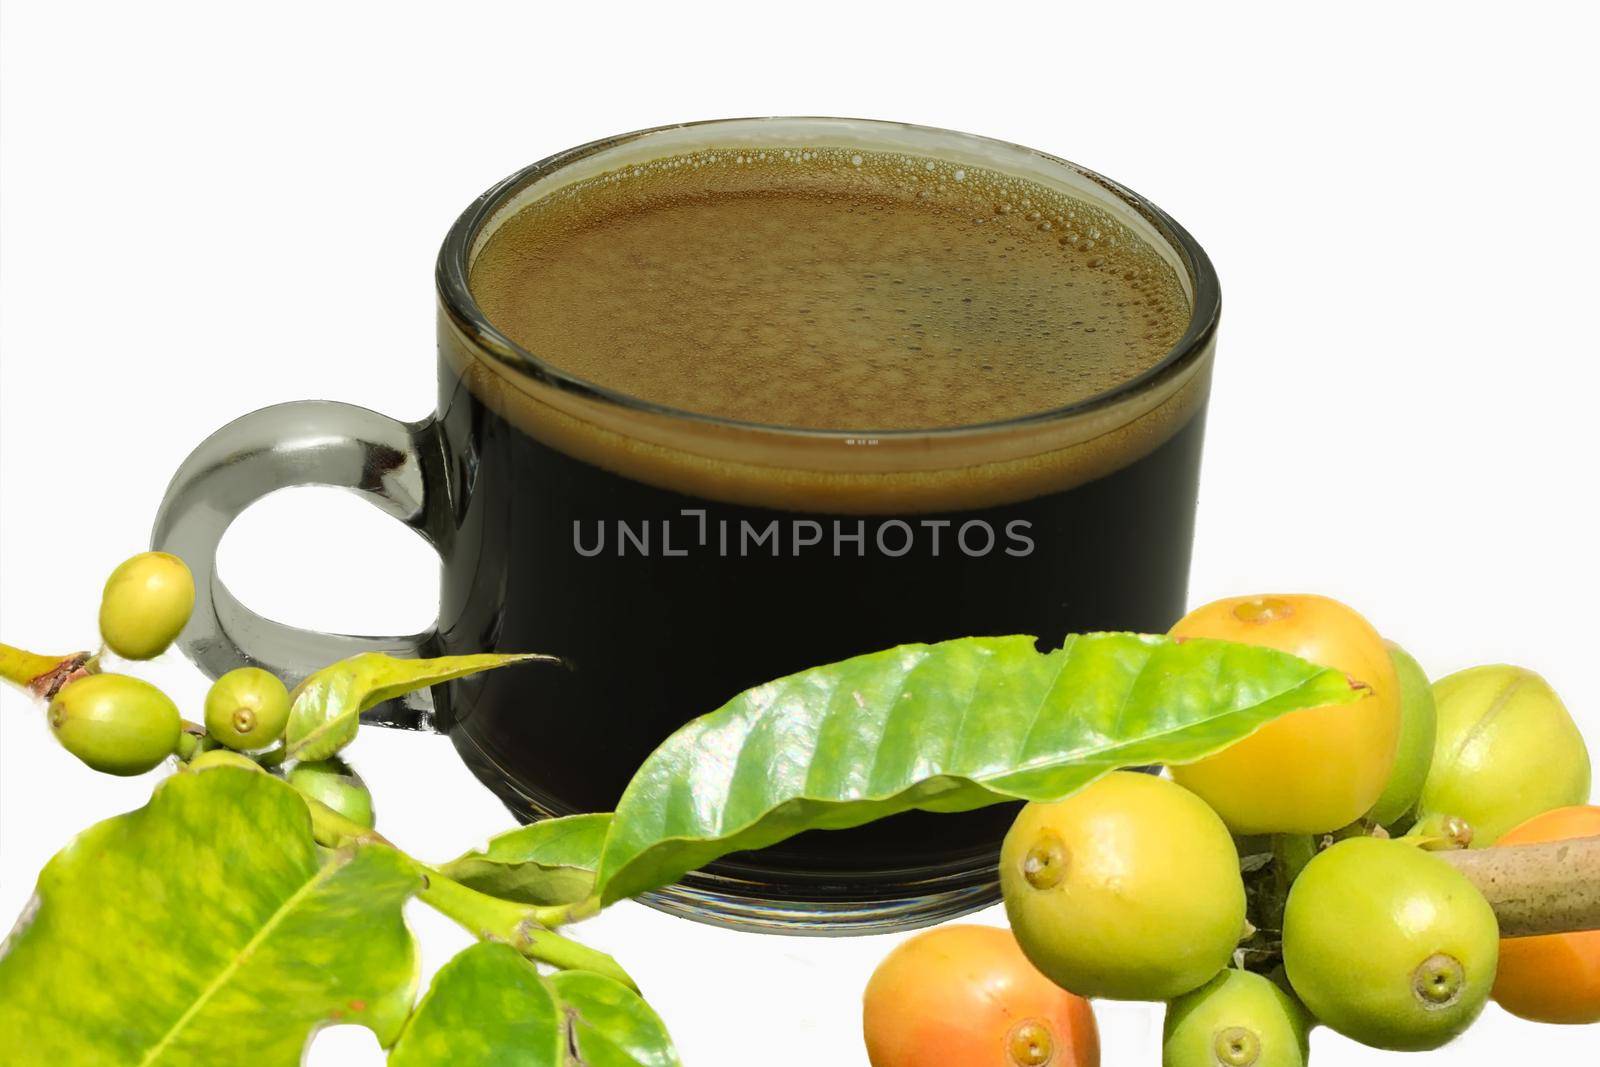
673 559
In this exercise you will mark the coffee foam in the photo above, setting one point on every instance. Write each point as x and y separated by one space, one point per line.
1071 304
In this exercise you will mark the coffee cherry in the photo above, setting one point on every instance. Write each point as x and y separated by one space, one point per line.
333 783
1389 945
146 603
114 723
247 708
966 996
1315 770
222 757
1413 757
1507 750
1554 978
1238 1019
1128 889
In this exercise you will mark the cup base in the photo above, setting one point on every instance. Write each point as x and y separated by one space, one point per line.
735 896
716 900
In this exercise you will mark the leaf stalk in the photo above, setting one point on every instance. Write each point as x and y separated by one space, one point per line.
333 830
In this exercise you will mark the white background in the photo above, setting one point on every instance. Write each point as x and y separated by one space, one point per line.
210 207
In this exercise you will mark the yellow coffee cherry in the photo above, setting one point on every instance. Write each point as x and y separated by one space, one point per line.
146 603
1311 771
1128 889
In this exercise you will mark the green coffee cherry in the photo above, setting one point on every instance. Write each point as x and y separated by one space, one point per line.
333 783
1238 1019
247 709
147 601
1390 945
115 724
1507 750
222 757
1418 725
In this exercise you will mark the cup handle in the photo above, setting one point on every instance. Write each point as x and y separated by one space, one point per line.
397 466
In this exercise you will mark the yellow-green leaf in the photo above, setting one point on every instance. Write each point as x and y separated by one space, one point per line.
945 727
489 1007
552 861
328 705
206 928
609 1025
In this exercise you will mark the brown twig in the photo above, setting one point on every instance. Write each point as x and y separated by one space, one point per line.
1548 888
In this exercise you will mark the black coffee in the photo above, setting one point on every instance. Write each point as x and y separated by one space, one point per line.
840 291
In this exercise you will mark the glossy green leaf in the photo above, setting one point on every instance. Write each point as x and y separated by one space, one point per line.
945 727
489 1007
609 1024
206 928
328 705
552 861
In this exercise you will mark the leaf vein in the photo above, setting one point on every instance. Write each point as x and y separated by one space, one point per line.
238 961
889 718
1068 649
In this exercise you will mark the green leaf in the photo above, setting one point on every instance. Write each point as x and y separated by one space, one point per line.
608 1023
204 928
489 1007
552 861
945 727
328 705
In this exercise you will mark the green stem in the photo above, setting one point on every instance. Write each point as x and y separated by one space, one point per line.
563 914
525 928
1359 828
189 739
518 925
1440 833
1290 854
332 830
1293 852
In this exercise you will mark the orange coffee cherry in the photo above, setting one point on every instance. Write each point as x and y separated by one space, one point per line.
1554 978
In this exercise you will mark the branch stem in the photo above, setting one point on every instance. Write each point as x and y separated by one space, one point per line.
524 927
40 675
1548 888
518 925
